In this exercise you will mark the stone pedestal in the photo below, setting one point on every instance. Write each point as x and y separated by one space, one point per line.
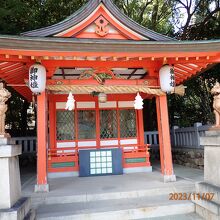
210 209
41 188
169 178
12 206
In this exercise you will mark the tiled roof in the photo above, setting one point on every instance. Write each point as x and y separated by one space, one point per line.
86 10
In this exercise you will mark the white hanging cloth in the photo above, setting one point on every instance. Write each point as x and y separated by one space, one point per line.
70 104
138 102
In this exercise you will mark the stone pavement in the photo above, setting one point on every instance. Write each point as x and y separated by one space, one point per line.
141 195
28 174
108 184
192 174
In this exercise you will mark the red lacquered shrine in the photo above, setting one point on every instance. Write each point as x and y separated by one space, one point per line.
99 50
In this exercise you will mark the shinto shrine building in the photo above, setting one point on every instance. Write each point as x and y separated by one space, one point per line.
99 53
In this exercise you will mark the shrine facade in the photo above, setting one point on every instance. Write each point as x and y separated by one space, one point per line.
104 59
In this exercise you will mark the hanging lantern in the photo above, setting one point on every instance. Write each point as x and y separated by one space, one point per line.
37 78
138 102
102 97
70 104
167 78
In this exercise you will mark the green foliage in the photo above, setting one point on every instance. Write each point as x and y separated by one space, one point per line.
152 14
202 22
186 19
200 19
17 117
17 16
13 16
196 105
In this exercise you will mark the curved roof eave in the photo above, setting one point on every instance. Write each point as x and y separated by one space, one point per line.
74 44
87 9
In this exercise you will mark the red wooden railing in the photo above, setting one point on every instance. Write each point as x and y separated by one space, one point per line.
67 155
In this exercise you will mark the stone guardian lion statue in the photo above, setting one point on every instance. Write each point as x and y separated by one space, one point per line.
4 96
215 91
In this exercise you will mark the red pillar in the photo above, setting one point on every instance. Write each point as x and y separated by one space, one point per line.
52 123
164 139
42 184
140 127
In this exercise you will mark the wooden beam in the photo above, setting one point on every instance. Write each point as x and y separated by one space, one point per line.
193 60
178 70
50 72
46 57
144 75
123 58
150 82
8 73
63 73
95 64
13 75
115 50
198 68
182 67
16 80
10 66
178 74
14 58
132 73
195 68
6 64
101 58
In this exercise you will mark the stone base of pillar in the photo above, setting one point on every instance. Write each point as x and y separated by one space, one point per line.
41 188
20 210
169 178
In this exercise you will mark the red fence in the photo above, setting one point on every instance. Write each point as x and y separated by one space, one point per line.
66 159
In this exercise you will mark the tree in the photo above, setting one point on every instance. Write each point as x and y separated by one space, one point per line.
17 116
202 21
197 19
17 16
184 19
153 14
196 105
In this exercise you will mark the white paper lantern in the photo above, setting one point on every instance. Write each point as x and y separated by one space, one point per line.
167 78
70 104
37 78
138 102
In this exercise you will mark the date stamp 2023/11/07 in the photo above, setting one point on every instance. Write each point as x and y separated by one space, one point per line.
191 196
